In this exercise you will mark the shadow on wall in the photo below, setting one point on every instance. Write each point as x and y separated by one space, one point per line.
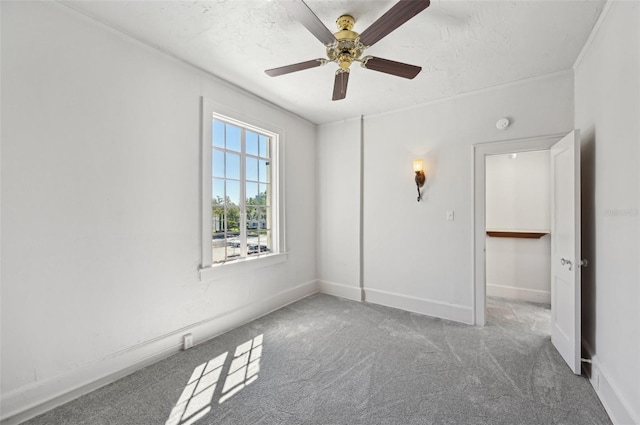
588 240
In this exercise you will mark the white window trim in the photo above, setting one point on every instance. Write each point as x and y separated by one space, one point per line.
208 270
224 270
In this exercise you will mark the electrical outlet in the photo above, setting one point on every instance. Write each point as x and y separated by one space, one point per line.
187 341
450 215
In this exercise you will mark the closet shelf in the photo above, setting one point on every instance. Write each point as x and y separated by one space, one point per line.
527 234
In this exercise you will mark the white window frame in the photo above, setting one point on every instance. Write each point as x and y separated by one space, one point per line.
208 270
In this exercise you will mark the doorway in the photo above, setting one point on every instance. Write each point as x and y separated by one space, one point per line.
480 153
518 223
518 244
566 260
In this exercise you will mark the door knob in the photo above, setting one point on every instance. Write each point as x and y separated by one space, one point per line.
564 261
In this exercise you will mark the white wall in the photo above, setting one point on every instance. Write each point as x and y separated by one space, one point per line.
517 198
414 258
338 182
100 206
607 107
100 202
517 191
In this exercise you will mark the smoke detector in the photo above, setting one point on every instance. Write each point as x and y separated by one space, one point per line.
502 124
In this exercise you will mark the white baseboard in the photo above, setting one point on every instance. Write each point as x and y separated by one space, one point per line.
619 409
522 294
340 290
39 397
456 313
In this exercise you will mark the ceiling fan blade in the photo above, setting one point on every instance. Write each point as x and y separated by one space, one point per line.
301 12
294 67
340 85
400 13
387 66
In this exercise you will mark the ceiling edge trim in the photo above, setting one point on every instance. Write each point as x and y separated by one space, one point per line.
342 121
488 89
593 33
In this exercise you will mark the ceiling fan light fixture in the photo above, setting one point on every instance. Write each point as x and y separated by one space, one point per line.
344 60
346 46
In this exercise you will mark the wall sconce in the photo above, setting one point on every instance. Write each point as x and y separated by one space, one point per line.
420 177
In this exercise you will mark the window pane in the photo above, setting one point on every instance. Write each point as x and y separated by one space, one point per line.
253 239
233 220
233 207
253 230
252 169
219 250
218 163
218 231
218 134
217 219
233 166
252 193
265 239
252 143
233 192
233 247
252 220
233 137
265 194
262 218
262 244
217 193
263 170
264 146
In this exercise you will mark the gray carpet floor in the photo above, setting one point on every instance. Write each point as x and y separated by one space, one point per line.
325 360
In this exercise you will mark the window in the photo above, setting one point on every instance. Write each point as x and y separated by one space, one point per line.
241 196
240 215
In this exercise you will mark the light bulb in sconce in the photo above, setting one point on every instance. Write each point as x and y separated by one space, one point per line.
420 177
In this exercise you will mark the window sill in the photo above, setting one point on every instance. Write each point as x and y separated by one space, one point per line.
220 271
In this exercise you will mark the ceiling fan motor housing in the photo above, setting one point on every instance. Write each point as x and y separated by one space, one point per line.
347 46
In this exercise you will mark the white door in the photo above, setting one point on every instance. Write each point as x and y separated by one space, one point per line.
565 249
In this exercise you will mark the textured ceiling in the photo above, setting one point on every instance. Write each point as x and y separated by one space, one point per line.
461 46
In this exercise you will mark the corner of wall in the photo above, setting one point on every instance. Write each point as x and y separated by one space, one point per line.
349 292
39 397
448 311
618 408
604 68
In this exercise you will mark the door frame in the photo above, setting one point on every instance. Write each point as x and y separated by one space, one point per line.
479 151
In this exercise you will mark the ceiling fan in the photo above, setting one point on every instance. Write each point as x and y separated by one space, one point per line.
347 46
